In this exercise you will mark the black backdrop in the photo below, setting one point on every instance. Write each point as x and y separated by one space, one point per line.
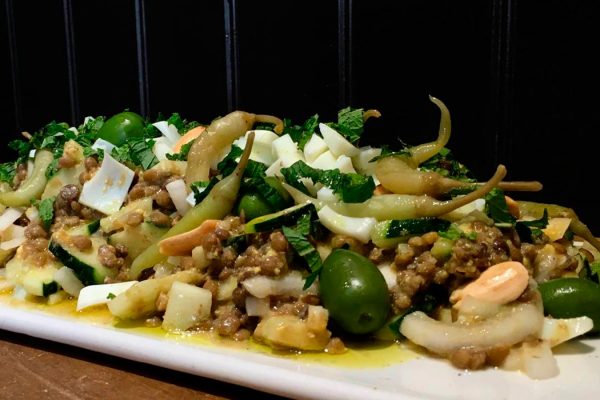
519 77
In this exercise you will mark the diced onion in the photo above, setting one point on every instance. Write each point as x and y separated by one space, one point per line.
101 294
67 279
178 191
9 216
256 307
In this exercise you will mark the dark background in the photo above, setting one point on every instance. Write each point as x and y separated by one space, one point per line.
519 77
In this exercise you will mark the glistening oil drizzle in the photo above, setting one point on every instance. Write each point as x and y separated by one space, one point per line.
359 354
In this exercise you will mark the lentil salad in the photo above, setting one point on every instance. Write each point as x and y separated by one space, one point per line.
294 236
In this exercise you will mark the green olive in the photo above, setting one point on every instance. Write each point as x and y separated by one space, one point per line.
121 126
354 291
572 297
253 206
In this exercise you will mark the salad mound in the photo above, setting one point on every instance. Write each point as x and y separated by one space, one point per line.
296 236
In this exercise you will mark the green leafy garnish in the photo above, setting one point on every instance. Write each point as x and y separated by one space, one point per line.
201 189
307 251
110 296
446 165
301 134
136 151
183 153
350 123
46 211
353 188
181 124
416 226
426 302
530 230
7 172
497 209
454 233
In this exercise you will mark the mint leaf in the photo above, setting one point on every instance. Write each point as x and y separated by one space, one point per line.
353 188
201 189
350 123
183 153
7 172
496 207
426 302
110 296
46 211
530 230
301 134
446 165
307 251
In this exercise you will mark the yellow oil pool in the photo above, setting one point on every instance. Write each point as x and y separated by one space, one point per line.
374 354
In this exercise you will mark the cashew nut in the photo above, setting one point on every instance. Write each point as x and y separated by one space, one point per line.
184 243
500 284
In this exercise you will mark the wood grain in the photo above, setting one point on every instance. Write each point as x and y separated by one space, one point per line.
36 368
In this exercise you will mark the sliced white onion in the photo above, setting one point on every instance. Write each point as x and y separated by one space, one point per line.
32 214
509 327
191 199
161 148
178 191
13 232
557 331
9 216
101 294
67 279
104 145
289 285
169 131
358 228
11 244
388 274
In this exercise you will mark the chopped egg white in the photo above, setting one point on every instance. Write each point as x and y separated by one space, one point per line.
338 145
344 164
286 150
108 188
324 161
261 148
314 148
362 160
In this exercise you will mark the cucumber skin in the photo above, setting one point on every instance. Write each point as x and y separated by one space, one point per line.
86 274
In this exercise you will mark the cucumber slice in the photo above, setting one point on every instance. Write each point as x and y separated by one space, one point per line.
85 264
287 217
137 239
86 229
36 280
387 234
118 220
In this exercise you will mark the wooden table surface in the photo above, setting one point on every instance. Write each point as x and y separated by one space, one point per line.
32 368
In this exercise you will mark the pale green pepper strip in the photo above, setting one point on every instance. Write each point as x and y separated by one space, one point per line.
216 205
536 210
33 187
400 206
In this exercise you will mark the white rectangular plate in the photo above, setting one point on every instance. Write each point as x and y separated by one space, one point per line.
421 378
